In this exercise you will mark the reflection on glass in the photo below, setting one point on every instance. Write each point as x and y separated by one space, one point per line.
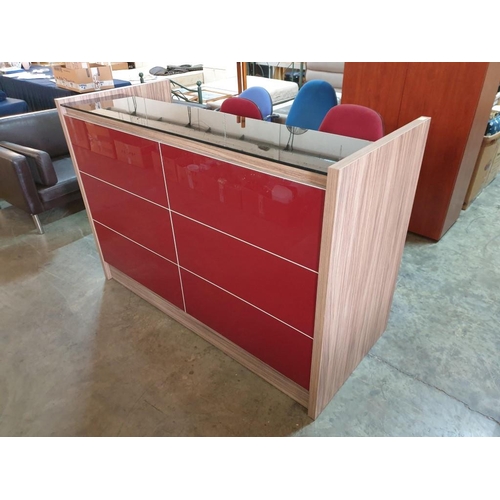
293 132
313 150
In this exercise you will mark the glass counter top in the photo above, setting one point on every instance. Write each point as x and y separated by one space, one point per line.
305 149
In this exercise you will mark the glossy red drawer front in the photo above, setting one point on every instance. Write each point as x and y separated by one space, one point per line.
271 283
78 132
281 347
129 162
142 221
281 216
145 267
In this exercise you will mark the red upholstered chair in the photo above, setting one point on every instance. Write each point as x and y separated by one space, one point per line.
353 120
240 106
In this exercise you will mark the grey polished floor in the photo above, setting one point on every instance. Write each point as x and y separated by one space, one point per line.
82 356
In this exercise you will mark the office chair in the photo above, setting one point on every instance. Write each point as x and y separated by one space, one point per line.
353 120
240 106
313 101
261 97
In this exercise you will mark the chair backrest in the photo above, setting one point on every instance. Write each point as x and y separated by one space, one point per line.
261 97
353 120
240 106
39 130
313 101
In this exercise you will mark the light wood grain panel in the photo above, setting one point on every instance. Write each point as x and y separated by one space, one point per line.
275 378
240 159
159 90
368 202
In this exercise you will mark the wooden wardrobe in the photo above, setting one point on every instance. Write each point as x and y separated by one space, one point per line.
458 96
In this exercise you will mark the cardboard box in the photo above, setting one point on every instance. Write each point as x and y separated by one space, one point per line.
495 166
76 65
484 170
115 66
90 79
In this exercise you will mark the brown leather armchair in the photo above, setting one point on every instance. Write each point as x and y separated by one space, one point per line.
36 171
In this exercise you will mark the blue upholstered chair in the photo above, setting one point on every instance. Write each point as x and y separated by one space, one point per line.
261 97
314 100
10 106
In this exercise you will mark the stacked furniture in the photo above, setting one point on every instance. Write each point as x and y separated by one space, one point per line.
331 72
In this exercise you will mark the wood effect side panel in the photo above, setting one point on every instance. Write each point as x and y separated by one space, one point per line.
376 85
448 93
367 208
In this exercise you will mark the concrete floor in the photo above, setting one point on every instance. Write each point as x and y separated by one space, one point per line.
82 356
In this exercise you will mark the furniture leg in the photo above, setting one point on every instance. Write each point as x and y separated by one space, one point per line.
38 224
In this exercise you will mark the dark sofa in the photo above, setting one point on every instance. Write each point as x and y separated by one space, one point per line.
36 171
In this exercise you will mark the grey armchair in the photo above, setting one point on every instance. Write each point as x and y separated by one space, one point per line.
36 171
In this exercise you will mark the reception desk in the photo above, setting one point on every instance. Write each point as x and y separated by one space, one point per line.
279 246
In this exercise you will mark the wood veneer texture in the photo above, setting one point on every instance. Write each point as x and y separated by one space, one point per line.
367 208
458 97
481 117
376 85
451 93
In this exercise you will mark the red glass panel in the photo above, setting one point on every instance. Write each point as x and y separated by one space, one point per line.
138 219
145 267
78 132
274 343
281 216
271 283
124 160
